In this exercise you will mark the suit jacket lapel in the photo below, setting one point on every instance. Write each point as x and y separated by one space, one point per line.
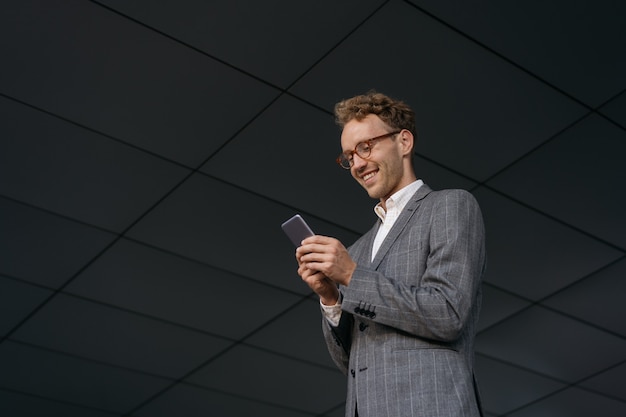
408 212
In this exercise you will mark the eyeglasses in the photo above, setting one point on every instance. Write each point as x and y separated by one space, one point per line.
363 149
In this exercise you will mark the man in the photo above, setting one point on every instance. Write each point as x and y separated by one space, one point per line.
401 305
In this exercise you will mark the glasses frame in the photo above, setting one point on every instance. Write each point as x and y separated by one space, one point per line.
349 155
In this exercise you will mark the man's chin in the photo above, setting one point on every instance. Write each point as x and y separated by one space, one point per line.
373 193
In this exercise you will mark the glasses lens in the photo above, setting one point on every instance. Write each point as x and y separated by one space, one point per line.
344 161
363 149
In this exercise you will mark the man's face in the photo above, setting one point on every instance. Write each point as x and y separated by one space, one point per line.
382 173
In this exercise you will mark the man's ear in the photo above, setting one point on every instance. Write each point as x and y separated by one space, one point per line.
407 140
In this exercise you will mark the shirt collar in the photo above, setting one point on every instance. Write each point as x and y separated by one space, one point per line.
398 200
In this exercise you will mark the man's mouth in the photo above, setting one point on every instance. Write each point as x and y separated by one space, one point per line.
369 175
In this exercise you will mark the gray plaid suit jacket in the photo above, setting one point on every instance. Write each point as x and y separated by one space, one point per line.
406 335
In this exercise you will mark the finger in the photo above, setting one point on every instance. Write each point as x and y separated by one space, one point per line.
313 257
318 239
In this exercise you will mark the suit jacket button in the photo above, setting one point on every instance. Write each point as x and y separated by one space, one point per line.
363 326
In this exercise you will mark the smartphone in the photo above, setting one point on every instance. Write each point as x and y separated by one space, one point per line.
297 230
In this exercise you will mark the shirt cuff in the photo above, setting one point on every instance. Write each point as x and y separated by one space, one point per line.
332 313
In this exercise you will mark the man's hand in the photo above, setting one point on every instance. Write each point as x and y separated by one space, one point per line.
327 256
318 282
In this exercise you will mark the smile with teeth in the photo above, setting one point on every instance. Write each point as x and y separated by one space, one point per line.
369 175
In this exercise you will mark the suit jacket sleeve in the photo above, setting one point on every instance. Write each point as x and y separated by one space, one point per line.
339 340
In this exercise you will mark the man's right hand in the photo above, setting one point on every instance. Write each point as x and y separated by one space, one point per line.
325 288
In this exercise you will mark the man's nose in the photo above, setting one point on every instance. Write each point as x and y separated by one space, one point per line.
357 161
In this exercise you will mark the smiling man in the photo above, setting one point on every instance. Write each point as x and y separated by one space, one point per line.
400 306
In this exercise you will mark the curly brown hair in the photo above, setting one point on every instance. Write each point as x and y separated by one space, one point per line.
394 113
